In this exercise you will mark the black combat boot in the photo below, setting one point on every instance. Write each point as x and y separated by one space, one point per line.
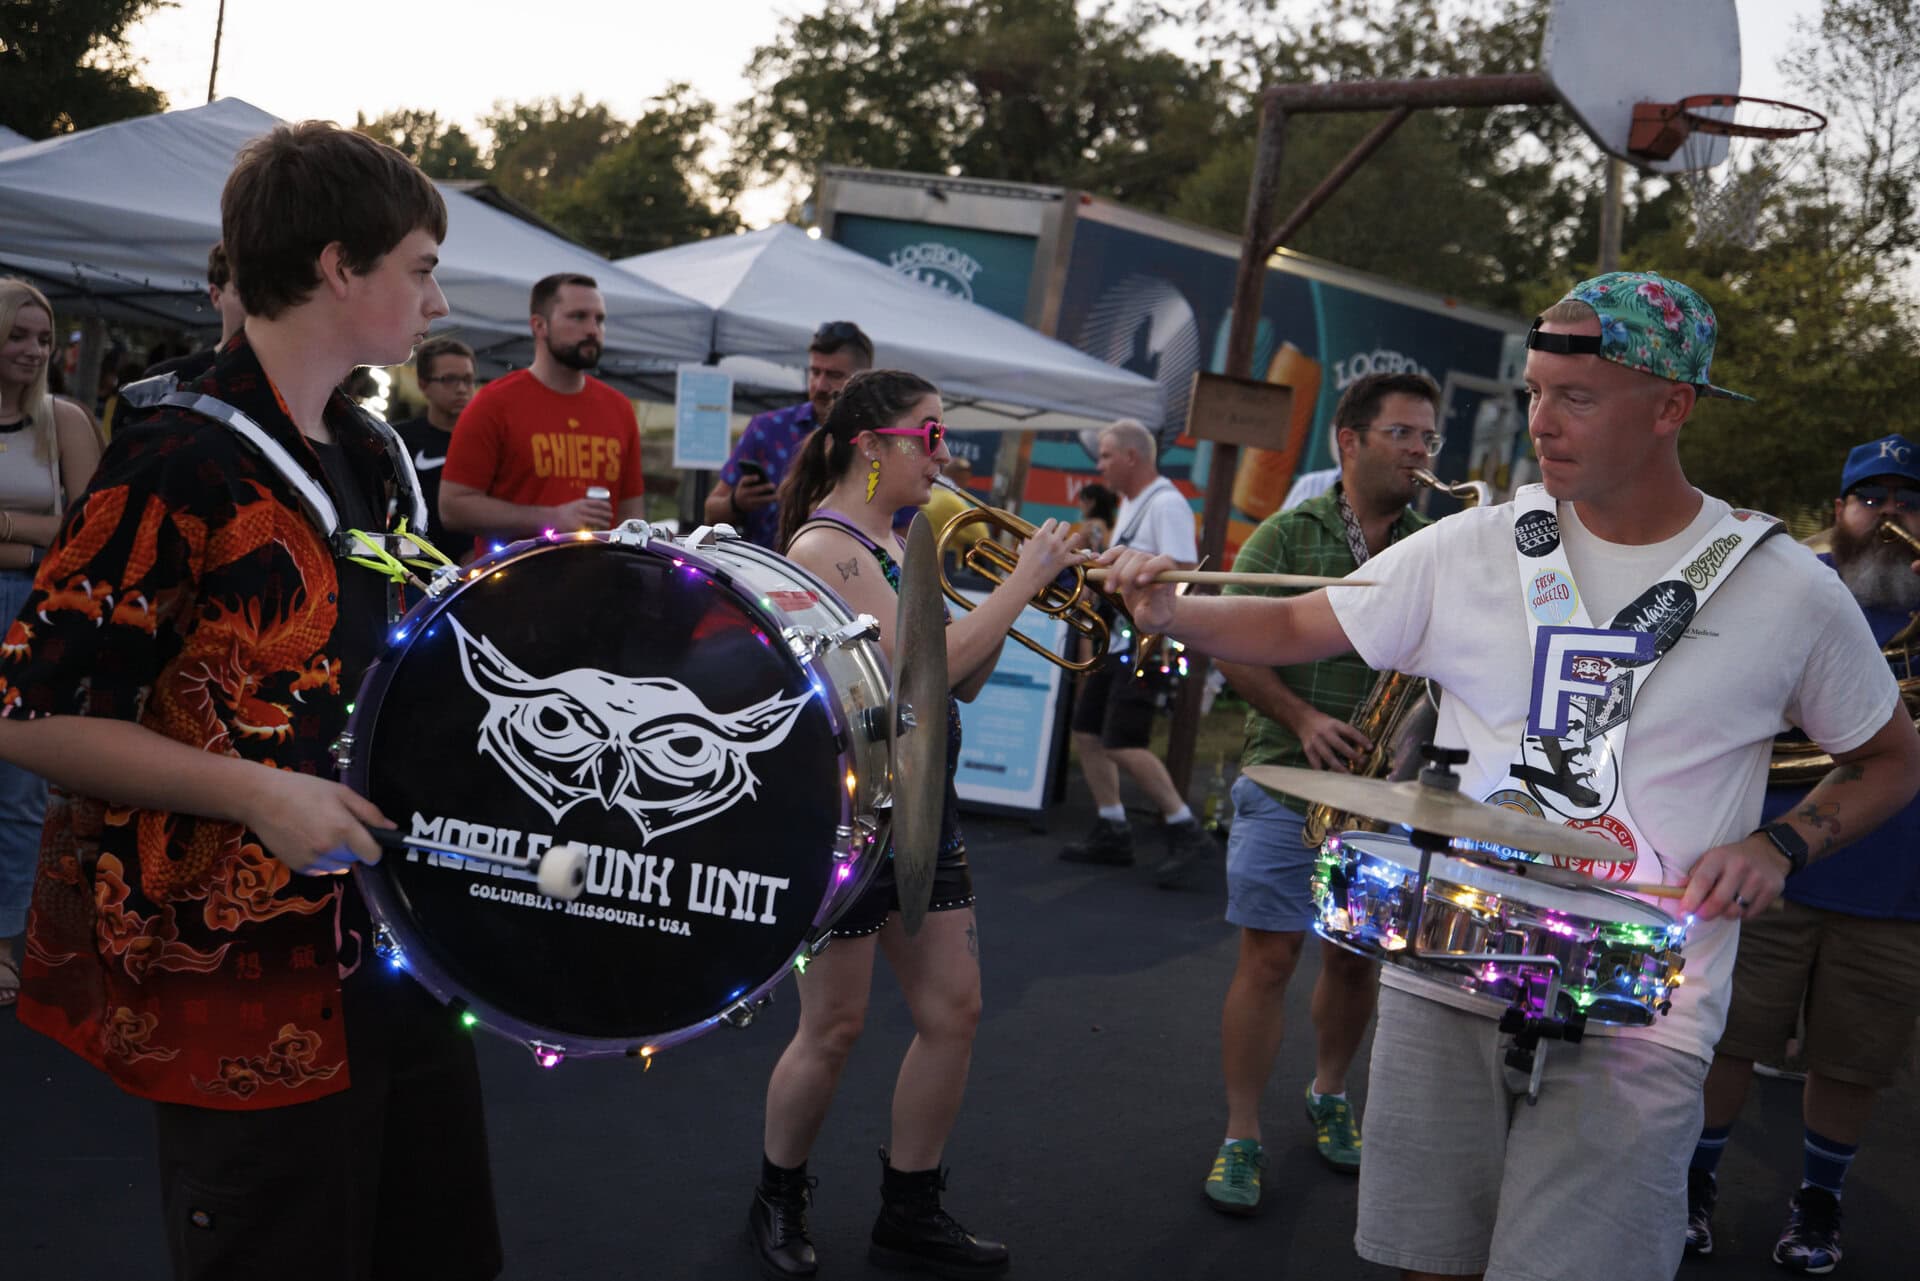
1109 842
777 1221
913 1234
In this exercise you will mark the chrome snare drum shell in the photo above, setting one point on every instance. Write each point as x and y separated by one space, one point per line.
628 694
1494 933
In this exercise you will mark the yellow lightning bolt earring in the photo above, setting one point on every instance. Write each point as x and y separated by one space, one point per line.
873 478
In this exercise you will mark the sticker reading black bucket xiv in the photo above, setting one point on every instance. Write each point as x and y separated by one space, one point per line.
1536 533
633 704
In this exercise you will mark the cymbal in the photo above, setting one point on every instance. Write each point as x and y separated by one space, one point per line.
918 751
1433 809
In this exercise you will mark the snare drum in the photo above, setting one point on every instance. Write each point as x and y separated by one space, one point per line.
707 722
1497 934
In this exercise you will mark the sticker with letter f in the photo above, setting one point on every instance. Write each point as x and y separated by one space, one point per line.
1564 668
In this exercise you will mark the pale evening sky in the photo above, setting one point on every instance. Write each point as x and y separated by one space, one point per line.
298 59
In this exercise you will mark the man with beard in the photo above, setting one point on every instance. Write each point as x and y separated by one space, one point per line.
1385 426
548 447
1847 946
744 495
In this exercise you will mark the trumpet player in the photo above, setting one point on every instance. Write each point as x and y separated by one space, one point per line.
1386 429
1721 636
1846 949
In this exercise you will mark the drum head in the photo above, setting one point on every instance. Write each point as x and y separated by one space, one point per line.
630 700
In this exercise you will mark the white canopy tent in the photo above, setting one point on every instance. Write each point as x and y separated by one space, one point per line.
770 289
120 218
12 138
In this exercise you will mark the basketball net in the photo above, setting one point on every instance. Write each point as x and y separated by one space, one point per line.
1738 153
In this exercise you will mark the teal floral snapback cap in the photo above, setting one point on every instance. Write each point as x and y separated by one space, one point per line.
1647 322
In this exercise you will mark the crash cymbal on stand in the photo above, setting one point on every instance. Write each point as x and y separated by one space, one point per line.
917 723
1434 809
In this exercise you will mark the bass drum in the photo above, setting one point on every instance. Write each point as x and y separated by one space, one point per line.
702 721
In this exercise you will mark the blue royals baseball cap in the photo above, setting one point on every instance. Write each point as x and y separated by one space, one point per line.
1889 456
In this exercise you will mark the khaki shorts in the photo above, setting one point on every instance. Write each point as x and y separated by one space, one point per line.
1859 979
1463 1175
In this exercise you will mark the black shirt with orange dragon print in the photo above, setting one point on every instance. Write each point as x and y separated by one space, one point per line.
187 591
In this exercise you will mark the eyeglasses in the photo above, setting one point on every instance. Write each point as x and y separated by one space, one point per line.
930 432
1400 434
1874 497
451 380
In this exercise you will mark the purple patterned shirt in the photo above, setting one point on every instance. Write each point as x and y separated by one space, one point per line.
771 439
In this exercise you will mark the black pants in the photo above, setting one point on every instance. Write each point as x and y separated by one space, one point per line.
387 1179
1117 705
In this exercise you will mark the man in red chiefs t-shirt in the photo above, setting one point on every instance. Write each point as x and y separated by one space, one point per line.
532 449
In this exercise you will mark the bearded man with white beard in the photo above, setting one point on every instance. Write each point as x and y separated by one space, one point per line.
1846 947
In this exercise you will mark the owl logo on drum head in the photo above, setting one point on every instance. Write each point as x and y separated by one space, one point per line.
646 746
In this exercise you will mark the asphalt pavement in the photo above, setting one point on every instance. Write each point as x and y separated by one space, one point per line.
1091 1119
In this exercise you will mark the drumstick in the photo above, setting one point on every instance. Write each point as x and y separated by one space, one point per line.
1653 889
1224 577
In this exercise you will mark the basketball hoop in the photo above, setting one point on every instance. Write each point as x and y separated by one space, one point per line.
1761 141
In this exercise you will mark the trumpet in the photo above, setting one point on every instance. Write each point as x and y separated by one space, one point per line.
968 529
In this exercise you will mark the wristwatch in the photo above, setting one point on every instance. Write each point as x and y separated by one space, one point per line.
1788 842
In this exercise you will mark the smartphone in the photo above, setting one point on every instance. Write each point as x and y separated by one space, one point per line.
751 470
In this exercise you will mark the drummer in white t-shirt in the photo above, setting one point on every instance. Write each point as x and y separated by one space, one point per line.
1459 1179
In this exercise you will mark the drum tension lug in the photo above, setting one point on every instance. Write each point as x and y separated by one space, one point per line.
743 1013
631 533
873 722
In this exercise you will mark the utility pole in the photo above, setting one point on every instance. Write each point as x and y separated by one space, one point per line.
219 28
1611 212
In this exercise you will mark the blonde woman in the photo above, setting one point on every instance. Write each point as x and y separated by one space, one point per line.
48 451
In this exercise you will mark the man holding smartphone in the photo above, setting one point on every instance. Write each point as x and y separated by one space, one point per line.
744 496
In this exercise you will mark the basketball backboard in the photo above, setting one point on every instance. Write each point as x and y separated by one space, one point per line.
1603 56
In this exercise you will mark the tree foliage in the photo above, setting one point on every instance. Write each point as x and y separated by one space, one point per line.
64 65
442 149
649 191
1860 65
1022 90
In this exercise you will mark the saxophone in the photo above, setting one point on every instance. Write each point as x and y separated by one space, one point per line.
1796 762
1397 714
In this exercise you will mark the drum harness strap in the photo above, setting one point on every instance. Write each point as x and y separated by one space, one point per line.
396 555
1569 766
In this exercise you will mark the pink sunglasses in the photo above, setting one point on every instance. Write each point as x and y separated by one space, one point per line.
930 432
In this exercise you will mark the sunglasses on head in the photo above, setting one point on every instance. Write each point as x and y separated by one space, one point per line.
931 432
1903 499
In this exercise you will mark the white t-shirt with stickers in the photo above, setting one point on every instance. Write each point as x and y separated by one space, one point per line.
1160 520
1780 643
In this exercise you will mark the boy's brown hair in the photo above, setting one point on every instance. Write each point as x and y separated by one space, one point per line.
303 187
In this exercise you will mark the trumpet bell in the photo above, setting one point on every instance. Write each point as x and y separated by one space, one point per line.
971 532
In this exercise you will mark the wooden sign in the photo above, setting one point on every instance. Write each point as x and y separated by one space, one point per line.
1239 411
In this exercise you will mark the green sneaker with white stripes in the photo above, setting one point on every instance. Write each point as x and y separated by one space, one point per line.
1336 1131
1233 1187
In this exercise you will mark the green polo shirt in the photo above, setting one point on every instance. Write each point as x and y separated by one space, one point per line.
1308 539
